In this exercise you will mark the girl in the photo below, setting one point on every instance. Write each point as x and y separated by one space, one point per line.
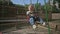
31 16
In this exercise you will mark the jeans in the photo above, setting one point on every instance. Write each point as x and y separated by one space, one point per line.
32 20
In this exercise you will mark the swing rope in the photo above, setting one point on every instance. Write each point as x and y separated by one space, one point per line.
47 16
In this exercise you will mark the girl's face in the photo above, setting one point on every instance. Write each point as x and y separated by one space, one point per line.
31 8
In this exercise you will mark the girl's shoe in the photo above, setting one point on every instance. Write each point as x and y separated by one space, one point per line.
44 24
34 27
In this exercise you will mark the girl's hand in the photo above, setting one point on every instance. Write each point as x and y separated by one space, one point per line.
28 17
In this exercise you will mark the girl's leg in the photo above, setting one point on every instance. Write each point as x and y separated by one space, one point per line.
41 20
31 21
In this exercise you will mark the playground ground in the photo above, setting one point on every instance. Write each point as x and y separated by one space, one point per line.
25 28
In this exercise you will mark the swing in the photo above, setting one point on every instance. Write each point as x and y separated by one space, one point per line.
45 15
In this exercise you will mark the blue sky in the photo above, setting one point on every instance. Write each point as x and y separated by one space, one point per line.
22 2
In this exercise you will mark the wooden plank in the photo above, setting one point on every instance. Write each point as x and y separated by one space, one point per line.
45 27
8 24
13 20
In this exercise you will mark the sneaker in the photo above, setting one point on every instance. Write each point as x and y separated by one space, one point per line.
44 24
34 27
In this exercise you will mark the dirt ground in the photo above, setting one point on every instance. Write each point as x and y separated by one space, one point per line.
25 28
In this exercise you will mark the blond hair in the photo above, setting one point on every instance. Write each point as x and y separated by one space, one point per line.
31 7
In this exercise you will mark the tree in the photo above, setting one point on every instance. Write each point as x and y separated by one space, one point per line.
6 3
51 8
37 6
58 2
56 10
